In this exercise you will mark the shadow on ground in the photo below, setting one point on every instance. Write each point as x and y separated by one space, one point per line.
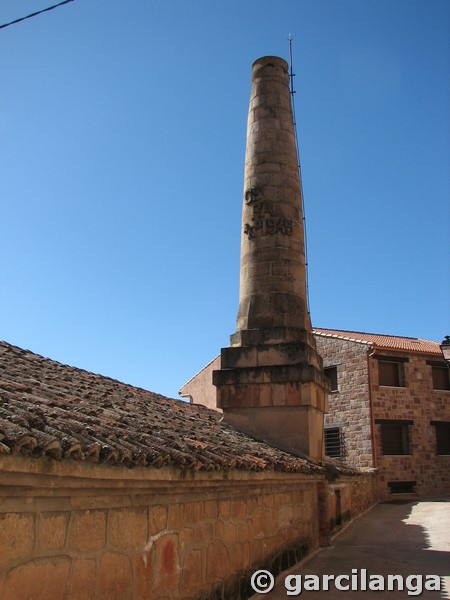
394 538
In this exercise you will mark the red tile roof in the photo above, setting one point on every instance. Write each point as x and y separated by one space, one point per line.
47 408
386 342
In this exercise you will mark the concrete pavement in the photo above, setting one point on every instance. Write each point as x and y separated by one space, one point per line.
401 538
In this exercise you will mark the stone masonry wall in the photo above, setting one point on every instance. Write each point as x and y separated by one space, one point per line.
349 407
348 497
73 531
419 402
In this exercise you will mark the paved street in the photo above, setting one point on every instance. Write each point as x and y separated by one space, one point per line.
408 538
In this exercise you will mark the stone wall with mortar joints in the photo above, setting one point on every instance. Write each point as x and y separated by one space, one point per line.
199 536
364 492
419 402
350 405
344 499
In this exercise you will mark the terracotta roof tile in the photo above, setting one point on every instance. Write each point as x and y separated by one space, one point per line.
47 408
387 342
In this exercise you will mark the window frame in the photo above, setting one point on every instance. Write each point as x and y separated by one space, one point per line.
402 487
442 432
399 361
340 440
442 366
388 441
334 379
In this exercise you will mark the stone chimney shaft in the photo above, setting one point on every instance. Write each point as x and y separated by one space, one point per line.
271 382
272 282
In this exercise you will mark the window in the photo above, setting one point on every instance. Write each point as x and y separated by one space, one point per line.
440 377
442 436
391 371
331 373
402 487
334 442
395 436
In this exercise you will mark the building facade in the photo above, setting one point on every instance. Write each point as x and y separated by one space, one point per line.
389 408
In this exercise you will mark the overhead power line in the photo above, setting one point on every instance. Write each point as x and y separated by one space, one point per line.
35 14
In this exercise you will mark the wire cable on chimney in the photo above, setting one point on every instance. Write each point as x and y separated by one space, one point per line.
291 76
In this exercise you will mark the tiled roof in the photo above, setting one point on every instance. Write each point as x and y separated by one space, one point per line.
387 342
47 408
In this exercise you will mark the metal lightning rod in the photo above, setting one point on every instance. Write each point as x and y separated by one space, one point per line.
291 78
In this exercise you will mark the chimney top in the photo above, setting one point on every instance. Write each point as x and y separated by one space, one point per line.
270 66
271 61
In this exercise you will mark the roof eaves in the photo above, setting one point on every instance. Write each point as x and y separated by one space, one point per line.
342 337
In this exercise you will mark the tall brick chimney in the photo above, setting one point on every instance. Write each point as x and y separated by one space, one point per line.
271 382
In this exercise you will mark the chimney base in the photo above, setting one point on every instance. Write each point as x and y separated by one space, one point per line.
277 393
297 430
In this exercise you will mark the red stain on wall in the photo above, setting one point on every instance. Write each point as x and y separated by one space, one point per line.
168 557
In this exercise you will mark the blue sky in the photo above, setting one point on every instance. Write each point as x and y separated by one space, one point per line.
123 126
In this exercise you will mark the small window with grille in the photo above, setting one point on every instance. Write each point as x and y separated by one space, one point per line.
402 487
334 447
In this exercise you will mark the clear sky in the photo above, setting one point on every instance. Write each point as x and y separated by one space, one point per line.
123 127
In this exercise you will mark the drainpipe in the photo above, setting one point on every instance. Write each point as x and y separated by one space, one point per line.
370 353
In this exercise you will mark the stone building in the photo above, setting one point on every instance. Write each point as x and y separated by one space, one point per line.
389 408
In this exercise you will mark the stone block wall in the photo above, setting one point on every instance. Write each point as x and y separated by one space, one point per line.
416 401
349 407
79 531
348 497
364 492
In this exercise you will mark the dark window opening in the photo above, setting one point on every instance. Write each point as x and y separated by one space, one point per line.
395 438
442 437
331 373
402 487
441 379
391 373
334 442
